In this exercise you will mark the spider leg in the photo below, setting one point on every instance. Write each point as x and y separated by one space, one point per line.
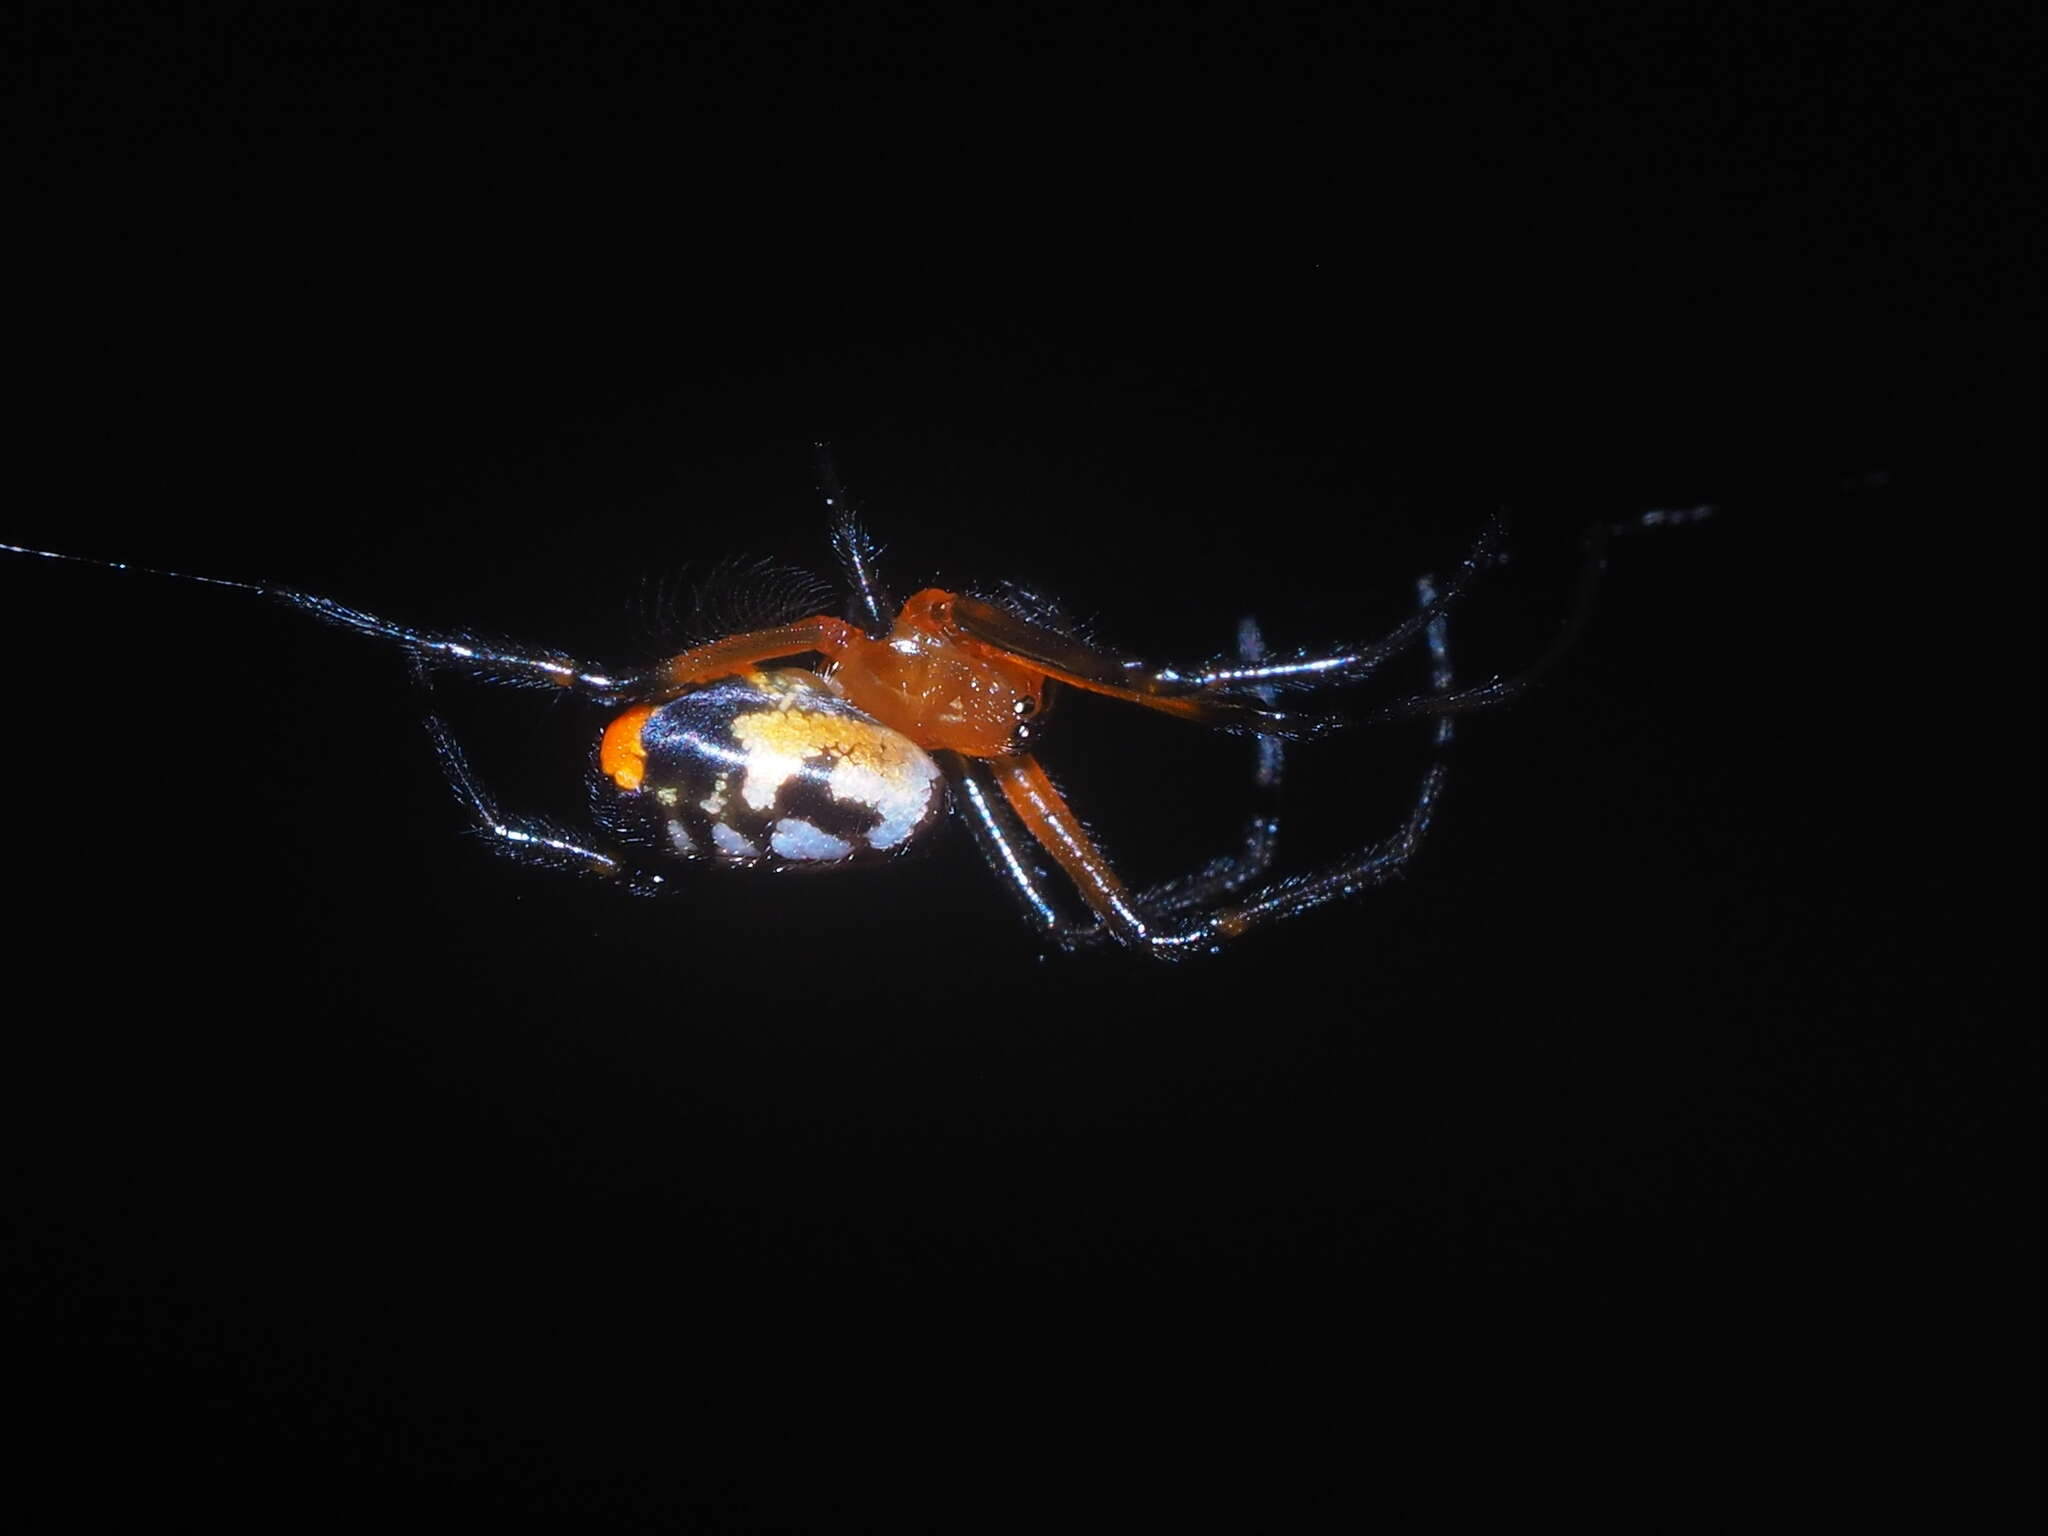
1357 663
1230 873
495 662
1170 930
1041 811
720 658
1237 696
1013 854
1401 847
872 607
1387 859
1241 697
1009 849
819 634
1354 664
1444 703
528 842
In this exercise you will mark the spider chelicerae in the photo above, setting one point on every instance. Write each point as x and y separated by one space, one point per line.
730 754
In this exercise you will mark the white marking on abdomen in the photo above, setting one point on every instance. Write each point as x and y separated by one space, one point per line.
796 838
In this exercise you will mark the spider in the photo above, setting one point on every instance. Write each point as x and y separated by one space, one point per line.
732 755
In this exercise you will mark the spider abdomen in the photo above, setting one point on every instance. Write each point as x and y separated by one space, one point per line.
766 767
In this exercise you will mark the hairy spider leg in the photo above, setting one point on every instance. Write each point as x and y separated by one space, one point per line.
820 634
525 841
1047 817
982 628
1232 697
1500 689
1377 865
489 660
1013 853
1384 860
1172 928
871 606
1230 873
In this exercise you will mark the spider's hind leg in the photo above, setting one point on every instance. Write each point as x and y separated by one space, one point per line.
527 841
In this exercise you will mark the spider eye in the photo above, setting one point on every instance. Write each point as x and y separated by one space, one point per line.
1025 708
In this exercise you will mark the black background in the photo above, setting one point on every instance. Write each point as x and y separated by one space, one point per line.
1652 1124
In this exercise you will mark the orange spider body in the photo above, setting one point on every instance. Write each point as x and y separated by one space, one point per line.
944 691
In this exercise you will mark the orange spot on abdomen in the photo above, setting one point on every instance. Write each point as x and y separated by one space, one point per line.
621 756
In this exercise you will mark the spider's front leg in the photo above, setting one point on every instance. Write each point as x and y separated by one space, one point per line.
1230 873
1013 853
1239 694
1047 817
1382 861
1172 927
